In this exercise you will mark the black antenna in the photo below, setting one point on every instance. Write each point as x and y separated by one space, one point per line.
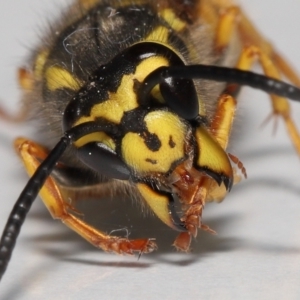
24 202
220 74
35 183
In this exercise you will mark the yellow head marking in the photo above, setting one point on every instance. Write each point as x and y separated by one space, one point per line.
171 18
110 110
100 137
59 78
159 34
146 67
40 63
125 97
169 131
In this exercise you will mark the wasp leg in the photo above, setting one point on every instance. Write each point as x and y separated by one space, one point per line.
250 36
225 28
285 68
280 105
256 48
31 154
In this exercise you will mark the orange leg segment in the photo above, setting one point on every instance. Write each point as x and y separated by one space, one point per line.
31 154
280 105
225 28
257 49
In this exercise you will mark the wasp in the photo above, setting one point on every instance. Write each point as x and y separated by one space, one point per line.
139 97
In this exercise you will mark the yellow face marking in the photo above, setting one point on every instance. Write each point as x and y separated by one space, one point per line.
149 65
170 17
170 131
110 110
96 137
59 78
125 97
159 34
157 94
40 63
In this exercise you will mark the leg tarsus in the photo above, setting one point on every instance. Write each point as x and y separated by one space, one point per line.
183 242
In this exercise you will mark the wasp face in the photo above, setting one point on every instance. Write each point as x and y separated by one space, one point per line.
158 145
138 97
154 133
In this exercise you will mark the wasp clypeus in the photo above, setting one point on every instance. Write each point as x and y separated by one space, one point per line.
140 96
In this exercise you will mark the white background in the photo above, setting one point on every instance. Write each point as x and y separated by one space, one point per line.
256 254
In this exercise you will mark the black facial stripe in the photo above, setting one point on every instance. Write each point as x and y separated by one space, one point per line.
172 144
151 140
151 161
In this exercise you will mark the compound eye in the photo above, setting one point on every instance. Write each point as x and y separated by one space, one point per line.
181 97
100 158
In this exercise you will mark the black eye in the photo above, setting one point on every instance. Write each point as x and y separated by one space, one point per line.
181 96
103 160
